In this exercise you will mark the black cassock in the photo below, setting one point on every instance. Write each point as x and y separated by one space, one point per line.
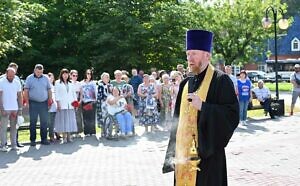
217 120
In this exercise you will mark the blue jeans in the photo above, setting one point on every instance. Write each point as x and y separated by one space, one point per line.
125 122
243 109
38 109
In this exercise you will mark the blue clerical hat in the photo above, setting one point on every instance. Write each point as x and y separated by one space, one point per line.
199 40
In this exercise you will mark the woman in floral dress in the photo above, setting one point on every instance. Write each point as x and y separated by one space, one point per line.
176 77
166 101
147 104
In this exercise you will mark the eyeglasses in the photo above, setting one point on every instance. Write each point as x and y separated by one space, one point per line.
74 75
88 73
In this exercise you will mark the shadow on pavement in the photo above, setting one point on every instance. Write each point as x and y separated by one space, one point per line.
37 152
120 142
40 151
250 128
8 158
157 136
257 124
253 125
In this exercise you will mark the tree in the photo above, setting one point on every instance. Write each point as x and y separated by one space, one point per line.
108 34
293 7
238 34
55 36
15 17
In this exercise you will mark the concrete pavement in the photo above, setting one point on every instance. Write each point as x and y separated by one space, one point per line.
266 152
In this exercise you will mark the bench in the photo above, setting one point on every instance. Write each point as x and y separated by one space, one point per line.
276 105
255 104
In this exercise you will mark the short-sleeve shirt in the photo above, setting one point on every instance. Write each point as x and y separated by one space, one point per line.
244 88
118 85
119 106
37 87
89 91
135 81
262 93
234 80
77 87
293 77
9 93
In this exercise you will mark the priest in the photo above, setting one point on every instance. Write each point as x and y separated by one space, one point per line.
208 113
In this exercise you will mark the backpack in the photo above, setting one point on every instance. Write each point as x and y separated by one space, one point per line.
297 80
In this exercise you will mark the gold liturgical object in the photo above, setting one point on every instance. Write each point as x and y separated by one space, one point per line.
194 158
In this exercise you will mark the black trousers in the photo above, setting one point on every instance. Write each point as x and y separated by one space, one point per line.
267 107
89 120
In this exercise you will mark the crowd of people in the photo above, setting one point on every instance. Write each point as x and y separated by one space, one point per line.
68 108
246 92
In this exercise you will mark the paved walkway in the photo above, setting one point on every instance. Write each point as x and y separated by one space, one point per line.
267 152
264 153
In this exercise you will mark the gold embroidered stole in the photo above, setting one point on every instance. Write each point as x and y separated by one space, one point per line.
187 127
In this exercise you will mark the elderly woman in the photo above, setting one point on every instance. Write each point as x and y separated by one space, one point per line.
166 101
104 89
117 106
176 78
147 104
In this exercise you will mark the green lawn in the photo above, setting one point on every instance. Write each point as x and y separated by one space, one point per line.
24 135
260 112
282 86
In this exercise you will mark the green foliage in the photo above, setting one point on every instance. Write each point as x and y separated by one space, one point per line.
55 38
238 33
293 7
108 34
15 17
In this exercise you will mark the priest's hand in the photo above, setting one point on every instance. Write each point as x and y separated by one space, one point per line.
196 101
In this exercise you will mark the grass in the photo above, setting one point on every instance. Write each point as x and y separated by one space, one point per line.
24 135
260 112
282 86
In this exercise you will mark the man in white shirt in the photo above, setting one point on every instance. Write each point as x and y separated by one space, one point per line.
263 95
228 71
15 66
10 107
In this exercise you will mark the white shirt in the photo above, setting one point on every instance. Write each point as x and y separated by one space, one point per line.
77 87
262 93
117 107
234 81
10 93
53 107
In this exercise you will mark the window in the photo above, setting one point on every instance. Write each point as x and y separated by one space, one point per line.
295 44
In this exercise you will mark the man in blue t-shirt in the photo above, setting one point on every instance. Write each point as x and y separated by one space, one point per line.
135 81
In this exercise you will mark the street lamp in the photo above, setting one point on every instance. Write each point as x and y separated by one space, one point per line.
283 24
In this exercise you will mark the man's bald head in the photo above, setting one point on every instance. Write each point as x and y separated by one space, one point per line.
10 74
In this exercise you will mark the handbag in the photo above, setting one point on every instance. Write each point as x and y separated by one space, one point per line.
88 107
